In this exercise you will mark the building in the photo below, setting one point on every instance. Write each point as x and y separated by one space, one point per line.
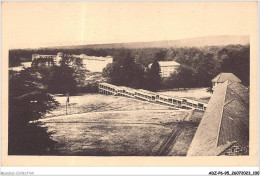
41 56
222 77
93 63
109 89
44 59
167 68
224 128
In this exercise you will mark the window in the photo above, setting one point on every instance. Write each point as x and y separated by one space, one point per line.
233 149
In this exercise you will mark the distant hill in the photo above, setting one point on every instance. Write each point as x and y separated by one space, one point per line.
190 42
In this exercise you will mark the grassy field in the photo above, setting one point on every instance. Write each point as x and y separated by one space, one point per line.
139 133
199 94
105 125
108 139
98 102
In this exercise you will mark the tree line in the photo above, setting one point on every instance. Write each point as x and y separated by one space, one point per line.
201 64
198 66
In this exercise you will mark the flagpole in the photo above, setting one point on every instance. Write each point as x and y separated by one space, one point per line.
67 102
66 107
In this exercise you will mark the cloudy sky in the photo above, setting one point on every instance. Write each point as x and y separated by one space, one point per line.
38 24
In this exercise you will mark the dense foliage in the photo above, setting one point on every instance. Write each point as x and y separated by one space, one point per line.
182 78
125 72
153 79
68 76
28 101
203 63
198 66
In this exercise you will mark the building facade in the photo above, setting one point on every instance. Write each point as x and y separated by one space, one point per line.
47 60
184 103
167 68
93 63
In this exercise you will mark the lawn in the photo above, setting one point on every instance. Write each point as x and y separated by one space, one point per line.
97 102
139 133
199 94
105 125
107 139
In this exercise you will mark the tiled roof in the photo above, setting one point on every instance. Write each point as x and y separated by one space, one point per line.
225 121
222 77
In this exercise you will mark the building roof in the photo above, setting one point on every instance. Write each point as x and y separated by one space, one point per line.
146 92
43 55
126 88
225 122
109 85
168 63
84 56
222 77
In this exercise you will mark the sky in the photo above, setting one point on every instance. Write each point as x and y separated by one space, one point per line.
41 24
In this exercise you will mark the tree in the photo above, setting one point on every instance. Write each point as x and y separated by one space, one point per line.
79 71
110 72
62 81
181 78
125 72
28 101
153 81
14 61
66 77
237 61
160 56
204 70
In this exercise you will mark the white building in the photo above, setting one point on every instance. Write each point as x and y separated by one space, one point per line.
93 63
46 58
38 56
167 68
26 64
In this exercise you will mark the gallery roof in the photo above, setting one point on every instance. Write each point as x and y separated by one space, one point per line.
225 122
